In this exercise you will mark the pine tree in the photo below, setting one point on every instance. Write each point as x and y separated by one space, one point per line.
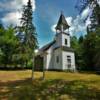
95 14
92 39
27 33
89 52
28 28
95 18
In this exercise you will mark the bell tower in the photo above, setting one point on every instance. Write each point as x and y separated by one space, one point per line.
62 32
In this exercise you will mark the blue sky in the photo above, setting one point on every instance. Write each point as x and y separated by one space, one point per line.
46 14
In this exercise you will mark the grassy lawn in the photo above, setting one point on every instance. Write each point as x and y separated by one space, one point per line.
17 85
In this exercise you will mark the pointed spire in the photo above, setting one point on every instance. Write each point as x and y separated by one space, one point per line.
29 2
62 23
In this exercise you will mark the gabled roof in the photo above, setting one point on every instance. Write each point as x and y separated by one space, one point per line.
62 22
64 48
47 46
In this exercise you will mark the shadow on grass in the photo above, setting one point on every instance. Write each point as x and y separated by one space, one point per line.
48 90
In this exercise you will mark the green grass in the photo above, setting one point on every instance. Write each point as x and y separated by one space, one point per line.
17 85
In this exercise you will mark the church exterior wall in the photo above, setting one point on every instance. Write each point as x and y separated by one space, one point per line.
65 62
64 36
60 38
58 65
50 60
45 60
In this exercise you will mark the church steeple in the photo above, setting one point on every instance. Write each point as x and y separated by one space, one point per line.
62 24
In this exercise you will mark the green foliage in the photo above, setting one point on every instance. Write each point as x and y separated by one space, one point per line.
90 50
97 54
17 45
88 53
8 44
95 18
27 27
94 14
12 53
77 45
27 35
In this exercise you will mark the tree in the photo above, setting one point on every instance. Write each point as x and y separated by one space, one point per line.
91 41
95 18
28 33
8 45
89 50
97 54
77 45
1 34
28 29
94 13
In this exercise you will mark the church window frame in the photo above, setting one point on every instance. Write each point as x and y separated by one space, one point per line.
69 61
57 59
66 41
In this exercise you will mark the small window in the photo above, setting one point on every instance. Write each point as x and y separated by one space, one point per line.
69 61
65 41
57 59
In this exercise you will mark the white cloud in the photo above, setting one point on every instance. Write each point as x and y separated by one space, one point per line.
14 7
77 25
25 2
98 2
53 28
15 4
69 20
12 18
85 13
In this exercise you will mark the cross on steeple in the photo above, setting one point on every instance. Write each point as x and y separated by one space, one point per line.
62 24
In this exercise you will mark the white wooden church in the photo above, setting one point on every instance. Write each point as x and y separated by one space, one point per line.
58 54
